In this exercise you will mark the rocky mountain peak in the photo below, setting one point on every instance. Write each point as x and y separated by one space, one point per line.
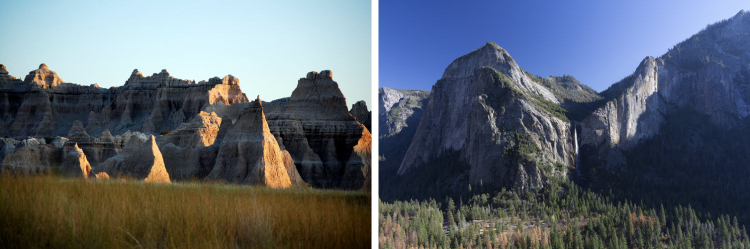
230 80
43 77
5 76
389 97
361 113
316 96
249 153
136 73
740 14
325 74
464 71
489 55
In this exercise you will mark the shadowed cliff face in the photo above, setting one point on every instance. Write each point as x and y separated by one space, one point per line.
708 73
42 105
141 158
316 128
360 112
400 112
208 130
250 154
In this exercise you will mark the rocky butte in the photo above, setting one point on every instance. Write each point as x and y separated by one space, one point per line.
164 129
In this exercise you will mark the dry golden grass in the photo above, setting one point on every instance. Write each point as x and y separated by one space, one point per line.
49 211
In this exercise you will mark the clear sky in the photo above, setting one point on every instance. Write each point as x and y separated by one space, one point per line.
598 42
268 45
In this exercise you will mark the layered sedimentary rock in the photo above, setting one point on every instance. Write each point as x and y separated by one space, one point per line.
141 158
357 169
316 128
6 78
99 148
486 122
294 176
75 164
199 132
30 155
42 105
207 130
249 153
360 112
190 150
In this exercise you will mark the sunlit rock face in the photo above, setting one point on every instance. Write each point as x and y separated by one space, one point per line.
42 105
163 129
481 121
75 164
249 152
141 159
29 156
360 112
707 73
315 126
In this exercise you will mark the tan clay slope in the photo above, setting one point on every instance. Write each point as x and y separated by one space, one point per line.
75 163
141 159
315 126
249 152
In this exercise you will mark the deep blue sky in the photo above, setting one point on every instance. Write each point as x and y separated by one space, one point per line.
268 45
598 42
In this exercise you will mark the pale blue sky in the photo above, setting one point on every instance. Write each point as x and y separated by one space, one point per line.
268 45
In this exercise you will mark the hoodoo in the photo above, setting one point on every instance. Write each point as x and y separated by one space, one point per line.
250 154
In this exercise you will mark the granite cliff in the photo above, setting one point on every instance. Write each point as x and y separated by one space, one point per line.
707 74
673 132
503 134
400 112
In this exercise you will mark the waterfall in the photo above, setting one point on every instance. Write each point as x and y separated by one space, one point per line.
575 142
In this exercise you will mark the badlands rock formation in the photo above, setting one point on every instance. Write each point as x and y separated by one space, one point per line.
30 155
250 154
316 128
140 158
208 130
360 112
42 105
291 169
75 163
200 131
99 148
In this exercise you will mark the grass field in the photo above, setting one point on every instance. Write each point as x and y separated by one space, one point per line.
50 211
